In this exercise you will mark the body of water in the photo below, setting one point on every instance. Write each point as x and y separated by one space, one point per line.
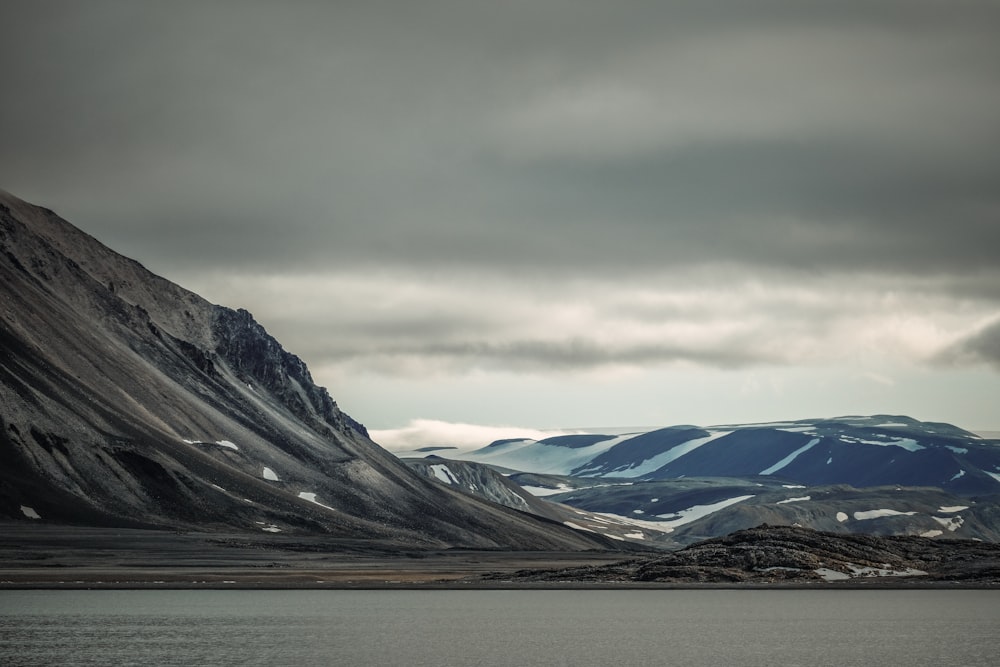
528 627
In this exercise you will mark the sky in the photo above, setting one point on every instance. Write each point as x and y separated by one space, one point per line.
467 217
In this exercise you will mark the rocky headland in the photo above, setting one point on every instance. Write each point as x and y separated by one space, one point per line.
788 554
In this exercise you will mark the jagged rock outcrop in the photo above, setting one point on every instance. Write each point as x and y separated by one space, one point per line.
258 359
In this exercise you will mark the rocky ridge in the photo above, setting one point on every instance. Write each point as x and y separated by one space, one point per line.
787 554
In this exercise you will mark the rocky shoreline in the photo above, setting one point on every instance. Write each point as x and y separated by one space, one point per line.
773 555
59 557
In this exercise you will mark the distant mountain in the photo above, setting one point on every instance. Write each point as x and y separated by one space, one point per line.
859 451
126 400
677 485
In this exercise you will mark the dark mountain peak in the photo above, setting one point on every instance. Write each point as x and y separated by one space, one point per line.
258 359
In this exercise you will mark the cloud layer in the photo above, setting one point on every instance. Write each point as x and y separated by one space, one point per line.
566 190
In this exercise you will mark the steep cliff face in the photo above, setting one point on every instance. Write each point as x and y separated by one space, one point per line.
258 359
125 400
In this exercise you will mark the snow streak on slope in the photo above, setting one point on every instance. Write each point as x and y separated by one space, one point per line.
791 457
656 462
698 511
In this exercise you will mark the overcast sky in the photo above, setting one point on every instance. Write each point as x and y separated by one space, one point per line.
549 214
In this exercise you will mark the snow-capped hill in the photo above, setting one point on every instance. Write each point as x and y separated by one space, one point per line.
886 475
856 450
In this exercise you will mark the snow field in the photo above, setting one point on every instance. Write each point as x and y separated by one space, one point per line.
443 473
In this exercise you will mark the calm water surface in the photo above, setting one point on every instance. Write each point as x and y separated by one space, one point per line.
654 627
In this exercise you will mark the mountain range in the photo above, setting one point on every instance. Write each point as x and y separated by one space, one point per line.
883 474
126 400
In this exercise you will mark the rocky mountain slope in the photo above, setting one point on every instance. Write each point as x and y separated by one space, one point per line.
127 400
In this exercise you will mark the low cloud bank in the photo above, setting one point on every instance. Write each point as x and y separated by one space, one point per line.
431 432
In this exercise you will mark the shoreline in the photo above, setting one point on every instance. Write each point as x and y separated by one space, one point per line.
53 557
389 579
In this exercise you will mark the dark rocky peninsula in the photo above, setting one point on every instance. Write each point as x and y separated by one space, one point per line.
794 555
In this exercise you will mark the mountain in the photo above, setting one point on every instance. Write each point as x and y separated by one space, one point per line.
126 400
859 451
483 481
678 485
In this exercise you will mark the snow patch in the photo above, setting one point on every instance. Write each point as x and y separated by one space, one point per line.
635 536
29 512
909 444
842 517
270 475
539 491
952 523
268 527
993 475
960 473
575 526
858 571
658 526
793 500
792 486
788 459
952 508
931 533
957 450
698 511
311 497
443 473
220 443
831 575
875 514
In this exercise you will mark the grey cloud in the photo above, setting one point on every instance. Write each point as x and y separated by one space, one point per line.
980 347
368 133
574 354
552 140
